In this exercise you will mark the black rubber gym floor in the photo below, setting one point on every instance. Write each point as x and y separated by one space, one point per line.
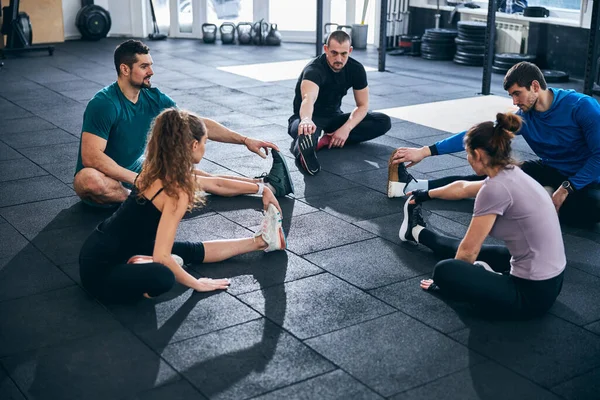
338 315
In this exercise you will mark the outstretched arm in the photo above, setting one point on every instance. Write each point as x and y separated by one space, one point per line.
414 155
219 133
172 212
205 174
455 191
309 91
231 187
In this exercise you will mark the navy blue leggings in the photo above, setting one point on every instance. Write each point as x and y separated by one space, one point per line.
497 295
121 282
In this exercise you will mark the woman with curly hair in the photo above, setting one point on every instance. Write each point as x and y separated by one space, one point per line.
522 279
111 265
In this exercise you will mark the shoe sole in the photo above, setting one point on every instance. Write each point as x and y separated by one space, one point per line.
392 177
287 170
307 152
282 240
404 227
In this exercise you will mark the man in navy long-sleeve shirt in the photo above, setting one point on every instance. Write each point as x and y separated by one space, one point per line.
562 127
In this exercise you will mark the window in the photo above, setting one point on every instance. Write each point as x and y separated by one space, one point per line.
219 11
566 4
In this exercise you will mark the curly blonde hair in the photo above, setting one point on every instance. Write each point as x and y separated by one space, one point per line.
169 154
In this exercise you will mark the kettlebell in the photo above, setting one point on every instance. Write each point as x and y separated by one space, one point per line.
209 33
345 28
274 36
244 32
327 28
260 29
227 30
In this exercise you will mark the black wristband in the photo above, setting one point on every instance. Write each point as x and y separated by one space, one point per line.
421 196
433 149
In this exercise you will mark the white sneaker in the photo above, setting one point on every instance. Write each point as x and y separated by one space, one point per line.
271 230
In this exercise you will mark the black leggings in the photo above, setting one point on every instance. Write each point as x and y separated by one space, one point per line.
497 295
580 208
121 282
373 125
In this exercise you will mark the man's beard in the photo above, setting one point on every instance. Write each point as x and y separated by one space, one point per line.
142 85
336 68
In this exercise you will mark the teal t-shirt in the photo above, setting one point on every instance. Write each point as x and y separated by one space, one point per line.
124 125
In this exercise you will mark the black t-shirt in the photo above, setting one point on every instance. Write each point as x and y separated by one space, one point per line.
333 86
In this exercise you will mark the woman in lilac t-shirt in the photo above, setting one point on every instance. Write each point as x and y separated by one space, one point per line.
522 279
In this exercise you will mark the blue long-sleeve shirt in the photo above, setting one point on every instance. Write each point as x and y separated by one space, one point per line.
565 137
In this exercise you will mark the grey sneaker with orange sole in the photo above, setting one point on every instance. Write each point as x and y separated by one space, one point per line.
271 230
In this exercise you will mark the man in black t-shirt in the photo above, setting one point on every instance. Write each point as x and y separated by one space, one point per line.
319 92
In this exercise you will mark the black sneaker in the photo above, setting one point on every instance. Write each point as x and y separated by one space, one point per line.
279 176
412 218
308 156
398 179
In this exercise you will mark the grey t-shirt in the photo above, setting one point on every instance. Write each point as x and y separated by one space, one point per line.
526 221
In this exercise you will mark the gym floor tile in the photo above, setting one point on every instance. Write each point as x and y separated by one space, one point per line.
211 227
50 318
8 389
488 381
32 189
8 153
180 390
57 153
315 305
18 169
579 300
547 350
258 270
403 353
349 160
66 250
181 314
33 218
40 138
585 386
441 314
380 261
265 358
29 272
319 231
353 205
29 124
323 182
110 365
247 211
11 241
331 386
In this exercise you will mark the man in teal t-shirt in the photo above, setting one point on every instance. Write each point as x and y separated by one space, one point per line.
116 123
111 115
